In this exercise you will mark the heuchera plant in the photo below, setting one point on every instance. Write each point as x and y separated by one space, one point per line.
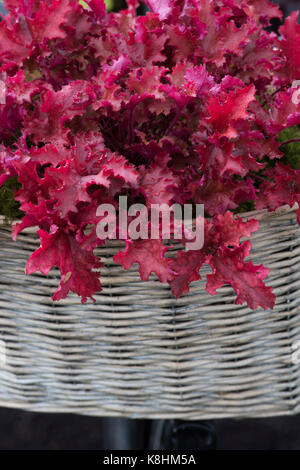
182 105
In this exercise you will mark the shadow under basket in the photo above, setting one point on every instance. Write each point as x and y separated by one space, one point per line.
140 353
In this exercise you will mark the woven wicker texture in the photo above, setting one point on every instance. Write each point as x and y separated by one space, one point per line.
138 352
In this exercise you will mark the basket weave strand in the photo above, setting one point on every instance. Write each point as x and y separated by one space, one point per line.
138 352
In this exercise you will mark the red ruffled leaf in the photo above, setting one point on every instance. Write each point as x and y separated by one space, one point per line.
223 252
150 256
158 184
15 39
162 7
245 278
76 266
47 21
290 44
222 116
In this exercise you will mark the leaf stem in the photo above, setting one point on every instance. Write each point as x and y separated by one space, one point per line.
271 96
290 141
172 124
258 177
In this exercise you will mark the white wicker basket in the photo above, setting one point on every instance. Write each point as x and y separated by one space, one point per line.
139 353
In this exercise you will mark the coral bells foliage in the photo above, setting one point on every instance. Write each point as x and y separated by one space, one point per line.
182 105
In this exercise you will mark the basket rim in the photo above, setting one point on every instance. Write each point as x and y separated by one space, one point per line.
263 214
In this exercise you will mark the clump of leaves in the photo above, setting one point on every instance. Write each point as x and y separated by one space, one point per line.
185 104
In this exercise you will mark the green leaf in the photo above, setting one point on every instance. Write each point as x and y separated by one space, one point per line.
291 151
9 208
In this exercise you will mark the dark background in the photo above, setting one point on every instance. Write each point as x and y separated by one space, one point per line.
23 430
